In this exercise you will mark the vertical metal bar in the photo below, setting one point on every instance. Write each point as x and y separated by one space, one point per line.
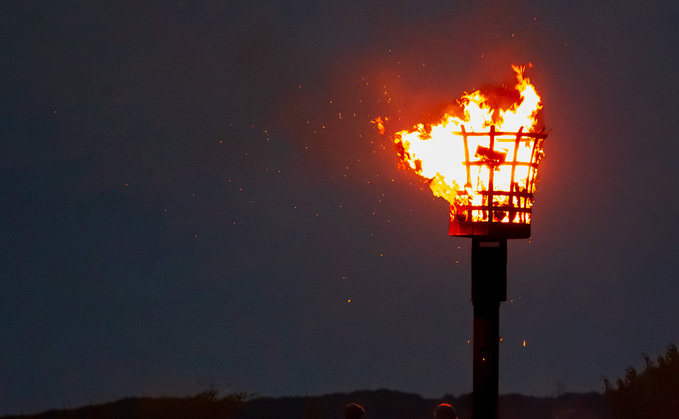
466 154
469 213
491 174
537 146
511 182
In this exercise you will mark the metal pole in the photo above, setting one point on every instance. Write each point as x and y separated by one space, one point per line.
489 288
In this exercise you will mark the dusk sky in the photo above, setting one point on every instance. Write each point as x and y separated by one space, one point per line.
194 197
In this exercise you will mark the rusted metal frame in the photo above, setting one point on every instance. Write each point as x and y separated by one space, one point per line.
522 207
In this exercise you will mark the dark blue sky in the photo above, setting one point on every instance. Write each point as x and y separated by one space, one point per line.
193 192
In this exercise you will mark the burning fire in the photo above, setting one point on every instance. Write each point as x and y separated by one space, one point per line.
486 160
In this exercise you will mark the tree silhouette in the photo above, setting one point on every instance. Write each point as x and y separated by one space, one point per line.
652 393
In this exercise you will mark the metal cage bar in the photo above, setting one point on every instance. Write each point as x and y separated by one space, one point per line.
500 208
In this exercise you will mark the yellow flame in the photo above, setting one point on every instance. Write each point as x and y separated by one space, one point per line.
436 152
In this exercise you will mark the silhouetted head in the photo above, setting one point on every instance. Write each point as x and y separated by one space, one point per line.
445 411
353 411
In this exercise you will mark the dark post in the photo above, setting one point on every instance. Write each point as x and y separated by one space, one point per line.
489 288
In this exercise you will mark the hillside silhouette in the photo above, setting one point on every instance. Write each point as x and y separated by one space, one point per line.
379 404
646 394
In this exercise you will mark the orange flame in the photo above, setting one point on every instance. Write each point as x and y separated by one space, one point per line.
380 124
438 154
